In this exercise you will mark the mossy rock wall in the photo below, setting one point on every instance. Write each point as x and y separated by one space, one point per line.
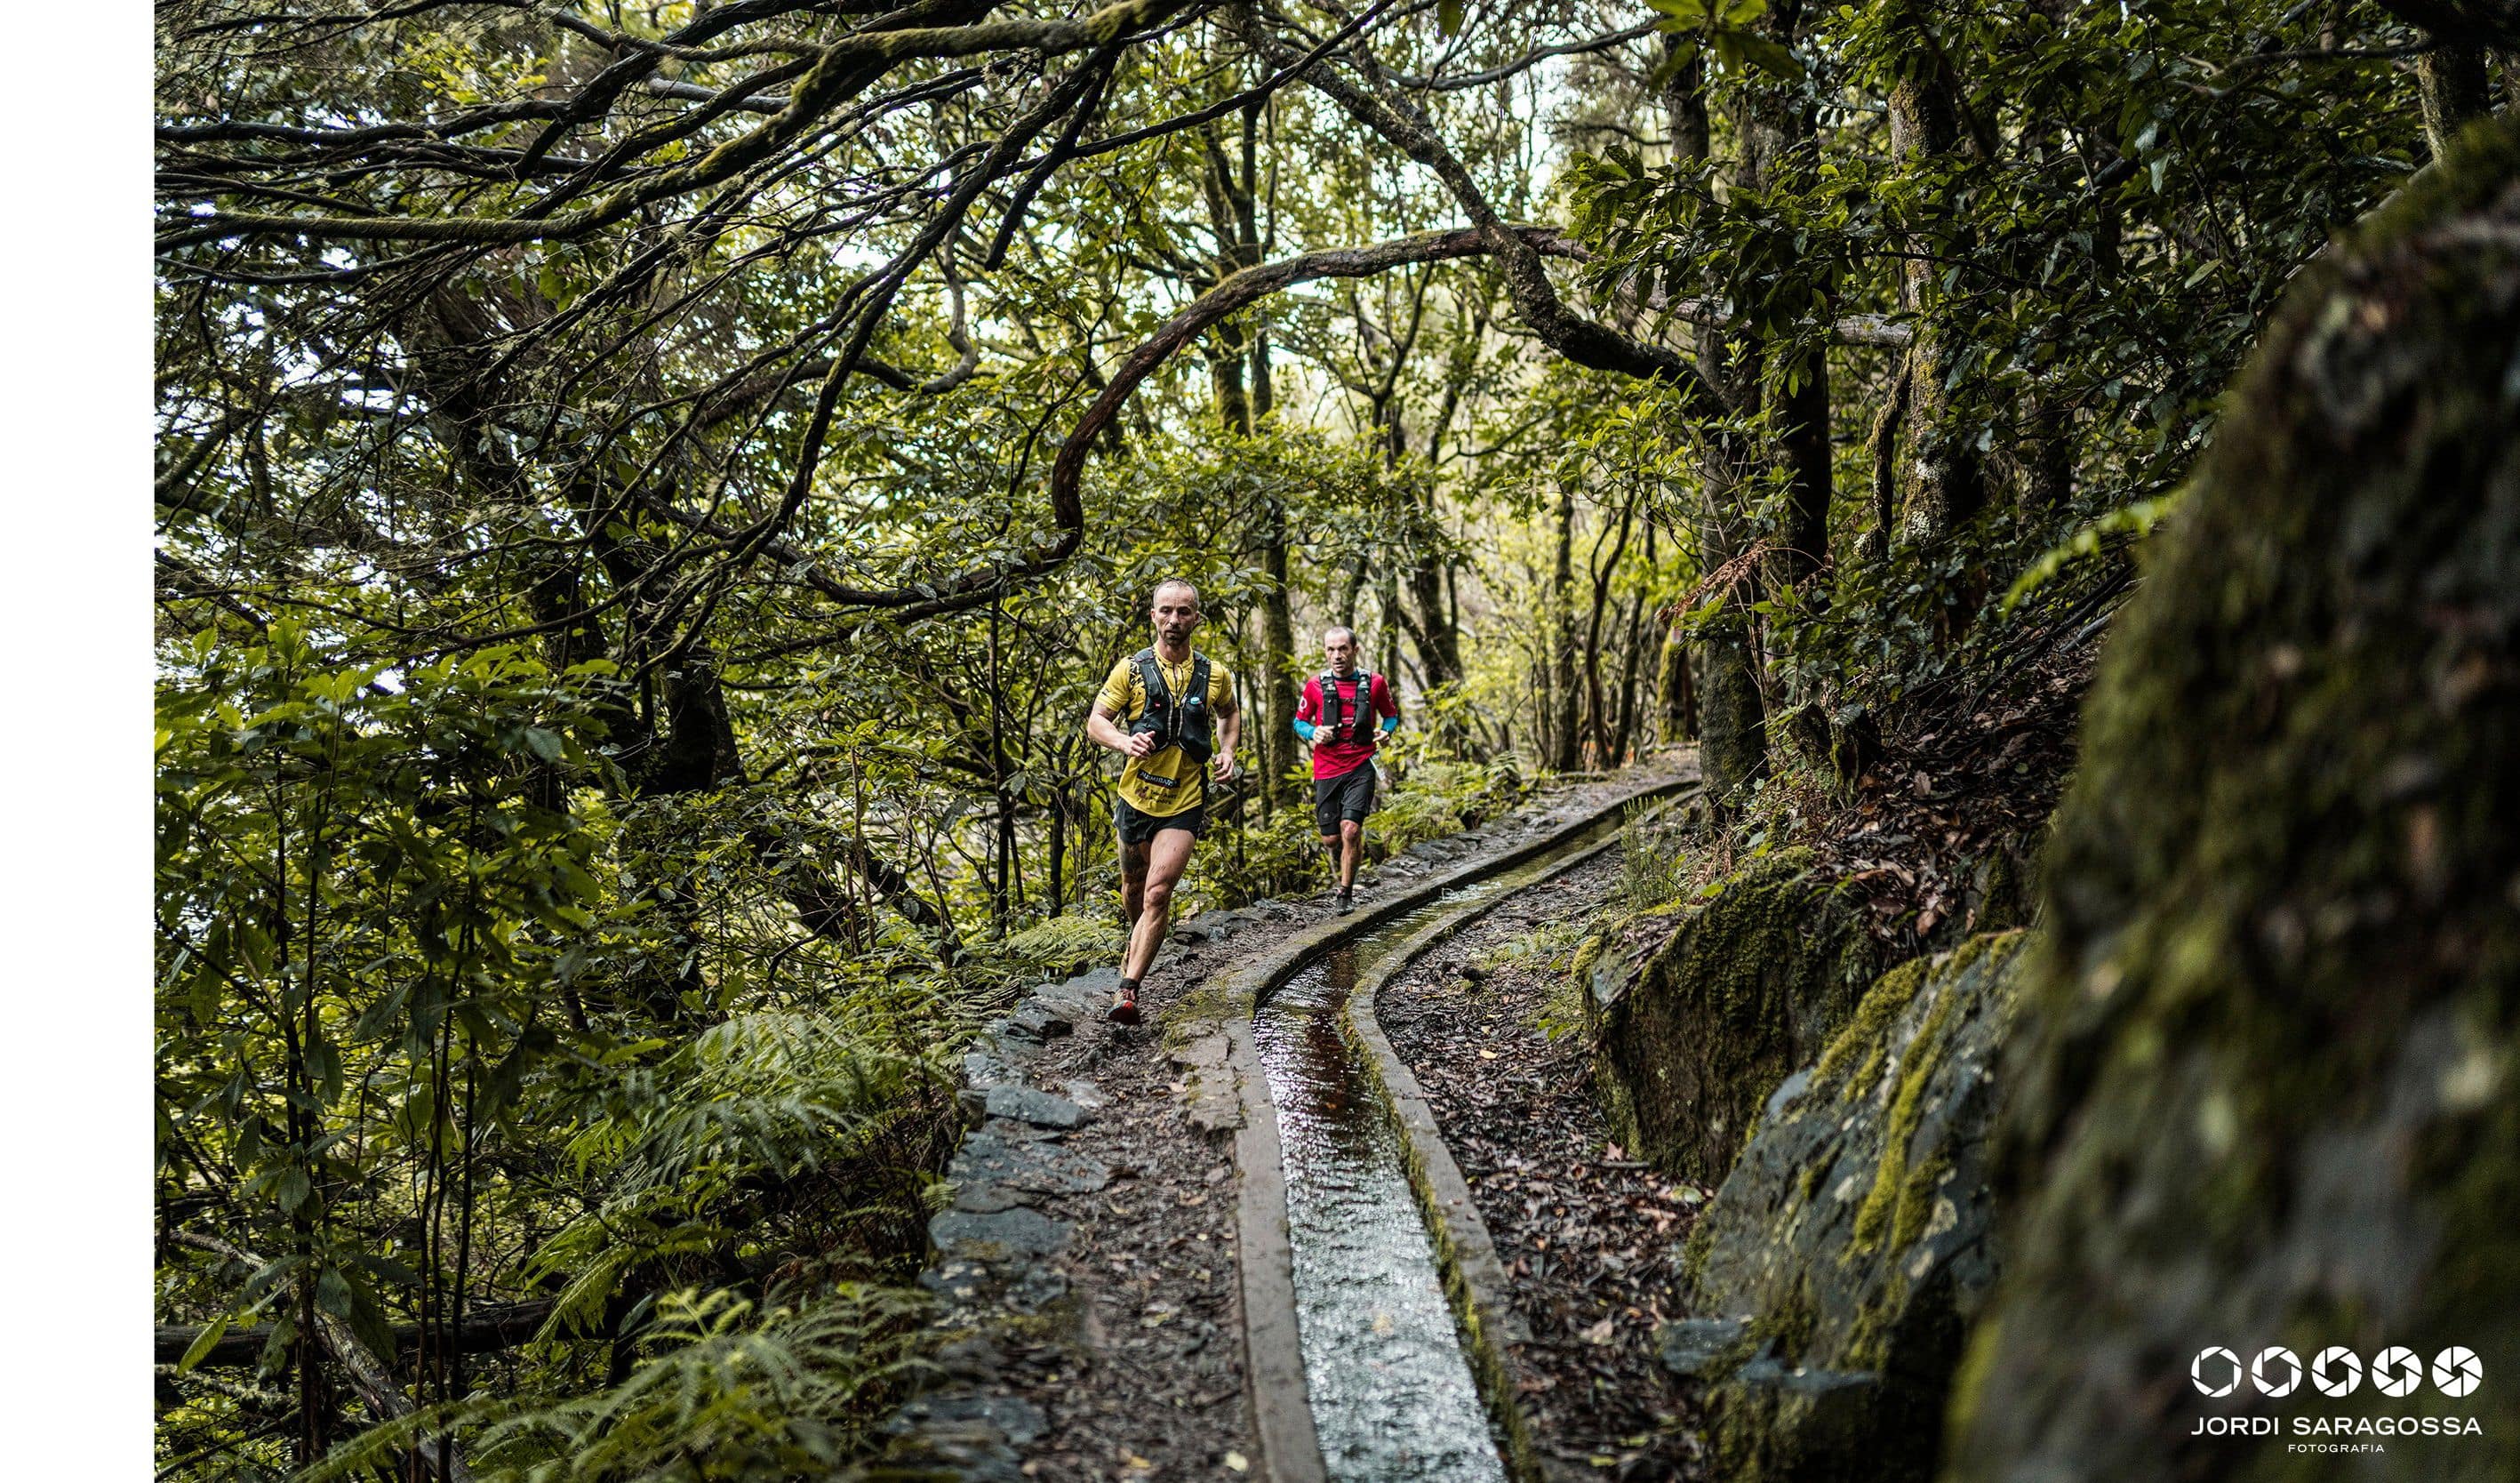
1836 1270
2266 1085
1689 1041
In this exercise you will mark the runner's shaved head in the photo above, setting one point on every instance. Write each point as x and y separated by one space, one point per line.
1339 633
1174 584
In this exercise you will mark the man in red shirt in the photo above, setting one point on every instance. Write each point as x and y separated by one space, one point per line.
1345 710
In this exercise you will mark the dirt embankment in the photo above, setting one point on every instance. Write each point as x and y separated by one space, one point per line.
1591 1239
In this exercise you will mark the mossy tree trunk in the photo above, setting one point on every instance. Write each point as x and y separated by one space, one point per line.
2456 93
1730 722
1566 700
1941 478
2269 1085
1774 127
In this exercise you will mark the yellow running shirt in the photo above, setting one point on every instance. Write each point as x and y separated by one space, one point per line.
1167 782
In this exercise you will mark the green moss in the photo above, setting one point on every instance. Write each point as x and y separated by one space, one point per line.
1890 1193
1916 1069
1966 955
1692 1253
1868 1336
1870 1030
1748 985
1978 1364
1829 1285
1200 1012
1587 954
1917 1195
1788 1325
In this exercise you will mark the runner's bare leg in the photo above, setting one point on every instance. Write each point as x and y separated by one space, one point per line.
1133 881
1351 850
1166 858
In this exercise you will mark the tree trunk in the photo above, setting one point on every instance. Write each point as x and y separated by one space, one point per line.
1731 714
1543 702
1278 646
1676 689
1631 663
2046 459
1350 588
2452 84
1596 717
1565 729
1775 127
1233 209
1811 480
1388 595
1058 853
1442 650
1003 835
1942 484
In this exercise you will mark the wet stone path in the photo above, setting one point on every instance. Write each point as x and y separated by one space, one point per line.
1089 1308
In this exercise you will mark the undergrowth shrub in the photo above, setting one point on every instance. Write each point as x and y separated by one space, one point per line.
1653 866
1064 945
726 1389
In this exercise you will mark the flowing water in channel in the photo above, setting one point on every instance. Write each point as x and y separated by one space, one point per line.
1392 1396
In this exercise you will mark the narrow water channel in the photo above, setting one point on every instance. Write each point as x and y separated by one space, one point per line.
1392 1396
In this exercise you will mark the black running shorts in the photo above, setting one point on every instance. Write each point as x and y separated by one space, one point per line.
1349 796
1139 827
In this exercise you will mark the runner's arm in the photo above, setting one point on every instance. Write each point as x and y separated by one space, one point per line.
1228 732
1387 703
1103 725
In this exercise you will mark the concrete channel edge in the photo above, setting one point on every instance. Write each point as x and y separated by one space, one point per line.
1272 1348
1474 1275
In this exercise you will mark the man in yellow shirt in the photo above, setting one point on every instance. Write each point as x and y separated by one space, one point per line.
1170 711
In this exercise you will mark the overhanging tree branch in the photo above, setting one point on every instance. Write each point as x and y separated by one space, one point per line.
1595 347
839 70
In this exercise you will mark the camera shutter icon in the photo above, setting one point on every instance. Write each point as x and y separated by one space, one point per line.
2216 1371
2397 1371
2276 1369
2336 1371
2457 1371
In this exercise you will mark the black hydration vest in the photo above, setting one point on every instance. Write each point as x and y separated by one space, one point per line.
1184 725
1356 726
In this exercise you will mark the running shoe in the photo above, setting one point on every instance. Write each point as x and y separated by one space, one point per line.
1346 902
1124 1008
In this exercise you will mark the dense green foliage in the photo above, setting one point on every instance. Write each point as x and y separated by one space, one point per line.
648 494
